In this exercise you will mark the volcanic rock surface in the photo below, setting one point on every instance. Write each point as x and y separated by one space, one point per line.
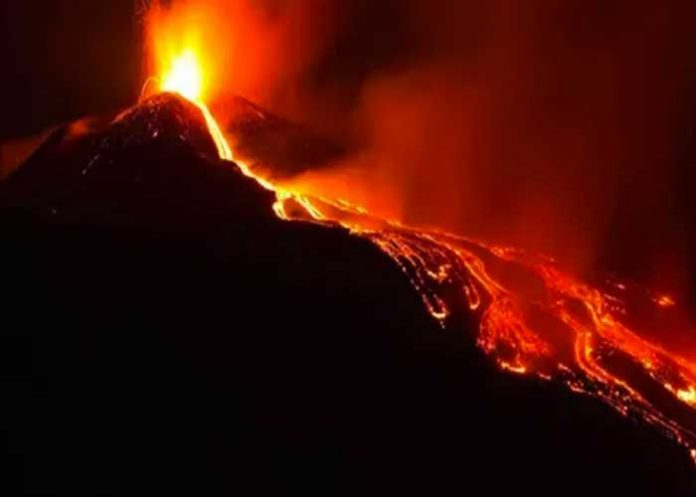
163 332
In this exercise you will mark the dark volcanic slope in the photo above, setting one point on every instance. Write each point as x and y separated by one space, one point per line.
275 147
164 333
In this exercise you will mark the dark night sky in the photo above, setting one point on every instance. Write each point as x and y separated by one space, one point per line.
63 59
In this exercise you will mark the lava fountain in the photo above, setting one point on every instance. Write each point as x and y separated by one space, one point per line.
535 319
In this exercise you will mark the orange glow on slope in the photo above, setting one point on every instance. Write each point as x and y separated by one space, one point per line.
535 320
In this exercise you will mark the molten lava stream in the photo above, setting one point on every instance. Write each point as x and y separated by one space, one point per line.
535 320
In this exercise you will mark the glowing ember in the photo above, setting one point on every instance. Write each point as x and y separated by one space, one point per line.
535 319
665 301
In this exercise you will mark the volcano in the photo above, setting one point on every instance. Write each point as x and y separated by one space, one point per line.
164 332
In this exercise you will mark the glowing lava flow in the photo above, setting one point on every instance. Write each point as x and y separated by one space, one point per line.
535 320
